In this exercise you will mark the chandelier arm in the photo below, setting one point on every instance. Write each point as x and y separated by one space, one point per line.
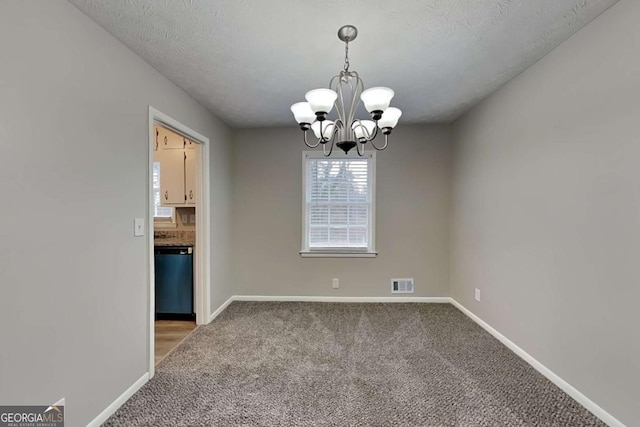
330 142
307 143
386 142
358 149
340 105
375 133
335 132
368 137
338 130
348 118
339 92
324 149
355 92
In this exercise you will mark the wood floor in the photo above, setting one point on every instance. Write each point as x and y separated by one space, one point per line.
170 333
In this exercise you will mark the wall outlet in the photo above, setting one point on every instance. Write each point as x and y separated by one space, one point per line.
185 218
335 283
477 294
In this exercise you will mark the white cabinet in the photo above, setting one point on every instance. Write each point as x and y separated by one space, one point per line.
169 140
172 190
177 156
190 157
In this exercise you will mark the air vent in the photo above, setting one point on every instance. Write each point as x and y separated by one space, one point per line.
402 286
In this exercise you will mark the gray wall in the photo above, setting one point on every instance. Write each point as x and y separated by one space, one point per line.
546 203
73 175
413 188
545 215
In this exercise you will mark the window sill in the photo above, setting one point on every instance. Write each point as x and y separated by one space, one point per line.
338 254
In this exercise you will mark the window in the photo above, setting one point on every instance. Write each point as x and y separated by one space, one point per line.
160 213
338 211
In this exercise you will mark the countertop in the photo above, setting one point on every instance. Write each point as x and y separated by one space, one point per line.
172 242
174 238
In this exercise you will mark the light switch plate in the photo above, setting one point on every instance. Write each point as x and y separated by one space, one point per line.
192 218
185 218
138 227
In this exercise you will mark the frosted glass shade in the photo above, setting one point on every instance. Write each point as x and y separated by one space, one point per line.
389 118
377 98
327 129
321 100
363 128
303 113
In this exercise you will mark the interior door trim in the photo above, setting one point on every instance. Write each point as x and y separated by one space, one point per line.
202 276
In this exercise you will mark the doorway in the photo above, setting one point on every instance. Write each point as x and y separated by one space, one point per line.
169 334
180 233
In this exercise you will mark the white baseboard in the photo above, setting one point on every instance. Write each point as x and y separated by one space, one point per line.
445 300
113 407
220 309
551 376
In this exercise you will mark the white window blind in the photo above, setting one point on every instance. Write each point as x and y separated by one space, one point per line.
158 210
338 203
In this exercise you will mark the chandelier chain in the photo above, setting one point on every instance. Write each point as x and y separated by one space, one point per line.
346 56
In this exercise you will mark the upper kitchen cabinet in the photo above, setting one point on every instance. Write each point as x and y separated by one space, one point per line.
177 168
172 175
169 140
190 174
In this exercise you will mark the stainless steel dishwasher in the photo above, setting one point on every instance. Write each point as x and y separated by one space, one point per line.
174 282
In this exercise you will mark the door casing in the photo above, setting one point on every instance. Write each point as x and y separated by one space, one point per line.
202 279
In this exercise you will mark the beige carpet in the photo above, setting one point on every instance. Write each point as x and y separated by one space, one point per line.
322 364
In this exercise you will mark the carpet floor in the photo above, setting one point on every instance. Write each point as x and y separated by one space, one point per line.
336 364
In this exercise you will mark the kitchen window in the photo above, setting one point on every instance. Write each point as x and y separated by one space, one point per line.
338 205
162 215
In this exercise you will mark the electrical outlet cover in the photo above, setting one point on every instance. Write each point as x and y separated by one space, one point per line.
138 227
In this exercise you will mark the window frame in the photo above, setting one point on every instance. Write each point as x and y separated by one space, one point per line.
339 252
163 221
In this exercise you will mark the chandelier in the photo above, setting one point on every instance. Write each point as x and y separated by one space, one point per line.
345 92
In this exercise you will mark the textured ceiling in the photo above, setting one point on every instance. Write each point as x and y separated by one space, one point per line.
248 60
